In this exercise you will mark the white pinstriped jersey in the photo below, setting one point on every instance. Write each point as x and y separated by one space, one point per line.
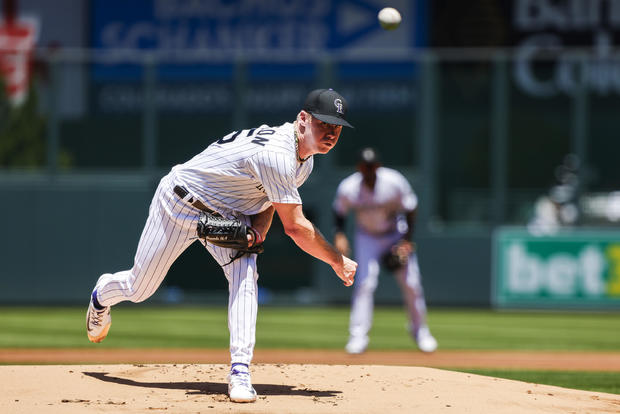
246 171
378 211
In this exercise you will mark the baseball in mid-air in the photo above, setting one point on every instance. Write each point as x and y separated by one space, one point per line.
389 18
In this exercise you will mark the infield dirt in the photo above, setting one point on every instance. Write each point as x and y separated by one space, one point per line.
282 388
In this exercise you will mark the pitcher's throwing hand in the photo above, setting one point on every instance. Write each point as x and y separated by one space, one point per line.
346 270
235 185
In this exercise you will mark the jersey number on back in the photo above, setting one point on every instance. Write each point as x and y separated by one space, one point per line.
259 138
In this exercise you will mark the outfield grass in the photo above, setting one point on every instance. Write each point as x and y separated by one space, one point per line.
589 381
143 326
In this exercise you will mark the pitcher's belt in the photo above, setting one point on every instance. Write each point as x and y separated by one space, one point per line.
182 193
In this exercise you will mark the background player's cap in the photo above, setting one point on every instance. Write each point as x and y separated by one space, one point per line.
327 105
368 156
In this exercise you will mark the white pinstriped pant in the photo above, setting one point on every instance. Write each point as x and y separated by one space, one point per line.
170 229
368 252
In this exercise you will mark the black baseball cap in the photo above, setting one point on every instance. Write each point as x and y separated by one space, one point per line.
327 105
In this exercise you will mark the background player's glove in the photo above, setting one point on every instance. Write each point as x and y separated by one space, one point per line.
397 256
229 233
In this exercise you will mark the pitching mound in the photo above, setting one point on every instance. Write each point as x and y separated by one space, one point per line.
282 388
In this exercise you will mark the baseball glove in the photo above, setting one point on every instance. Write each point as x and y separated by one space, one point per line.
229 233
396 257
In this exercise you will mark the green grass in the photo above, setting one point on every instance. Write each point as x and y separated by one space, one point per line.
590 381
143 326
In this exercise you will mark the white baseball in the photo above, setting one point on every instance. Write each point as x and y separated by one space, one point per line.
389 18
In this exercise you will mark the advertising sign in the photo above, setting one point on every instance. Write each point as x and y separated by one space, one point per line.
246 25
553 30
572 269
179 32
17 39
558 45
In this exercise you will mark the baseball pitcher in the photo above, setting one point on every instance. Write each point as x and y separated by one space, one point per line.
226 197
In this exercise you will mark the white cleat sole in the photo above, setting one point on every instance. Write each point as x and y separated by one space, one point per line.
243 399
95 335
101 336
243 396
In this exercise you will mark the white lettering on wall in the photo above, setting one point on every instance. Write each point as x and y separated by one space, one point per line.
174 9
218 36
523 271
560 274
547 21
592 267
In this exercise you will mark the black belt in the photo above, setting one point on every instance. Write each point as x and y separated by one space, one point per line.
182 193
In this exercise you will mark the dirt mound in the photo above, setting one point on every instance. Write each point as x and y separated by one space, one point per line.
282 388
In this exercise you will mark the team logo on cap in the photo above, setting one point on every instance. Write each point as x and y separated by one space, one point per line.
338 105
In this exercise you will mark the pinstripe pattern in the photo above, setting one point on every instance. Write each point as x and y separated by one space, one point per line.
167 233
238 175
246 171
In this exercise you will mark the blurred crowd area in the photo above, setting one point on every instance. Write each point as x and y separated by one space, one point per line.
567 205
499 112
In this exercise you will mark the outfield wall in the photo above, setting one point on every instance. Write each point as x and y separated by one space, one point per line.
60 232
571 268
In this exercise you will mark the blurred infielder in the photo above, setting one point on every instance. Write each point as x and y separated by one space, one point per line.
385 207
228 194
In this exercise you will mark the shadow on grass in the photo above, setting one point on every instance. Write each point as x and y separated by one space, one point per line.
213 388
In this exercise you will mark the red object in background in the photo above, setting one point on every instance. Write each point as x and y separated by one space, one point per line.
16 44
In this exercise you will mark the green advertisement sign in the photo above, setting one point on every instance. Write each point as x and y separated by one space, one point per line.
570 269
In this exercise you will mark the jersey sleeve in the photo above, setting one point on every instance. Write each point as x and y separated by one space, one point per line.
277 173
341 204
408 198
